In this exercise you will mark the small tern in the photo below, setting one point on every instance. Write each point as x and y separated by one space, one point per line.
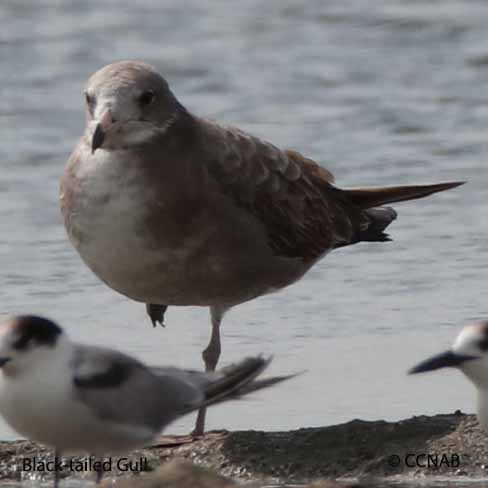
469 354
85 399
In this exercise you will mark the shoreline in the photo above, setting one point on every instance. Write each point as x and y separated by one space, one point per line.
444 445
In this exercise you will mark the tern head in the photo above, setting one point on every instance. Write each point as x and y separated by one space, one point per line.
26 342
469 353
128 103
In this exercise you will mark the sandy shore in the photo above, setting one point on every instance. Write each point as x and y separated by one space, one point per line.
442 445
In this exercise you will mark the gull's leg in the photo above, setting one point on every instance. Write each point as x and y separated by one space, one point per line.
210 356
57 455
156 313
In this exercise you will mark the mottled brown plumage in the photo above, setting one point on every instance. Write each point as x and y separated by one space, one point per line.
303 213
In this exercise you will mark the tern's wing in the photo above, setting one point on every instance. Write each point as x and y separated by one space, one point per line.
120 389
231 382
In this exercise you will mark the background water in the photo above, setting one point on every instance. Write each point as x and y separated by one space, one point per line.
381 92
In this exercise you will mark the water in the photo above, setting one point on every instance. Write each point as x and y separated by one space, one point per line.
381 92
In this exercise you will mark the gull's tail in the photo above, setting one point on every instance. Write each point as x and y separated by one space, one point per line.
370 201
375 197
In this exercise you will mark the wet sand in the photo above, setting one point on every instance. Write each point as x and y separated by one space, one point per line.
449 447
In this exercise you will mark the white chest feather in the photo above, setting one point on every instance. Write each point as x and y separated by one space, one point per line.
41 404
35 403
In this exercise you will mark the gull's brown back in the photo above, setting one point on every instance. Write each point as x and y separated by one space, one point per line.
294 198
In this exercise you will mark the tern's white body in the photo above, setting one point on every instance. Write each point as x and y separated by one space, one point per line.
42 404
482 410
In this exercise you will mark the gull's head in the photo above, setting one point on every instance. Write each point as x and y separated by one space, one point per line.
128 103
27 342
469 353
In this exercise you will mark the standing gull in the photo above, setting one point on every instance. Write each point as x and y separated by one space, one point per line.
168 208
79 398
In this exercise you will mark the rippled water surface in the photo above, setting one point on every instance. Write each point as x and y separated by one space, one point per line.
380 92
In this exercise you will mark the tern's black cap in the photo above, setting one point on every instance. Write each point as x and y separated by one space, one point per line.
33 329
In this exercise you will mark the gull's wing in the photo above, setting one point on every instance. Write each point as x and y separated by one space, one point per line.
120 389
303 213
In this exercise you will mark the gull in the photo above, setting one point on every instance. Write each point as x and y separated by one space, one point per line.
469 354
84 399
168 208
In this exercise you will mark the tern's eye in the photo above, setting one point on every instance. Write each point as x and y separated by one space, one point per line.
23 342
90 102
146 97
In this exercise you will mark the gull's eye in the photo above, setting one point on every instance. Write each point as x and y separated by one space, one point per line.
90 102
146 97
